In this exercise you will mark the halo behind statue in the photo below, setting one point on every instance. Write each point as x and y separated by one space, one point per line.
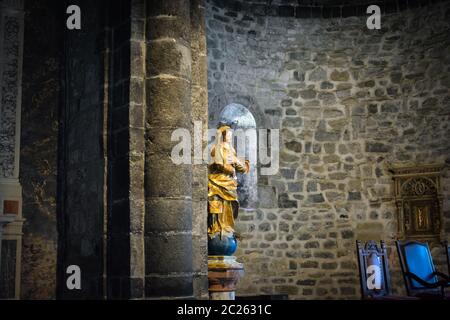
226 123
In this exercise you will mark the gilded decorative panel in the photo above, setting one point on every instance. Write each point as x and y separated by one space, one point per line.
419 201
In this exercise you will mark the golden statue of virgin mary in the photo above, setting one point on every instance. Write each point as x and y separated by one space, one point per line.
223 202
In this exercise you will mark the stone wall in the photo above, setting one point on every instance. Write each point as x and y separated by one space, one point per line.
39 141
349 102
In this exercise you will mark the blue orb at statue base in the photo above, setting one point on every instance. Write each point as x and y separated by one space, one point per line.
222 246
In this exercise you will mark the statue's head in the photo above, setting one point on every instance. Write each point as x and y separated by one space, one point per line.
224 134
225 130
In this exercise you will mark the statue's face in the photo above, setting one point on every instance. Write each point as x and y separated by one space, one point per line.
229 135
226 134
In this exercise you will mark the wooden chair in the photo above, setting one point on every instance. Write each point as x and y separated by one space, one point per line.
447 253
421 278
374 272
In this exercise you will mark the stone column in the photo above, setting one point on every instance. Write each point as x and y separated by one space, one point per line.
168 187
136 153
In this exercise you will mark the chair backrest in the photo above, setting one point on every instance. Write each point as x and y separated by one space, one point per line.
373 269
447 253
415 257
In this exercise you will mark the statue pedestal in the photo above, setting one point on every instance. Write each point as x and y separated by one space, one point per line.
223 274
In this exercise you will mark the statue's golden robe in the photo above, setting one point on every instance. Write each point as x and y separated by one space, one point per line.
222 192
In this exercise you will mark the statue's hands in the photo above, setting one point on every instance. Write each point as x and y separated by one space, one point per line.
230 159
228 169
247 165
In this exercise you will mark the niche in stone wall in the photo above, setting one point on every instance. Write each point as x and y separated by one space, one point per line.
245 143
419 199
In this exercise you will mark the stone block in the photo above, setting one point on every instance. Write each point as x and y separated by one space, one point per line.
167 253
267 197
167 27
318 74
165 214
173 286
378 147
316 198
168 57
339 75
285 202
308 94
168 102
166 179
174 8
354 196
327 136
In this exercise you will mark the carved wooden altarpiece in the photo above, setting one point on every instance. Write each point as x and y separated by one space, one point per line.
418 197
